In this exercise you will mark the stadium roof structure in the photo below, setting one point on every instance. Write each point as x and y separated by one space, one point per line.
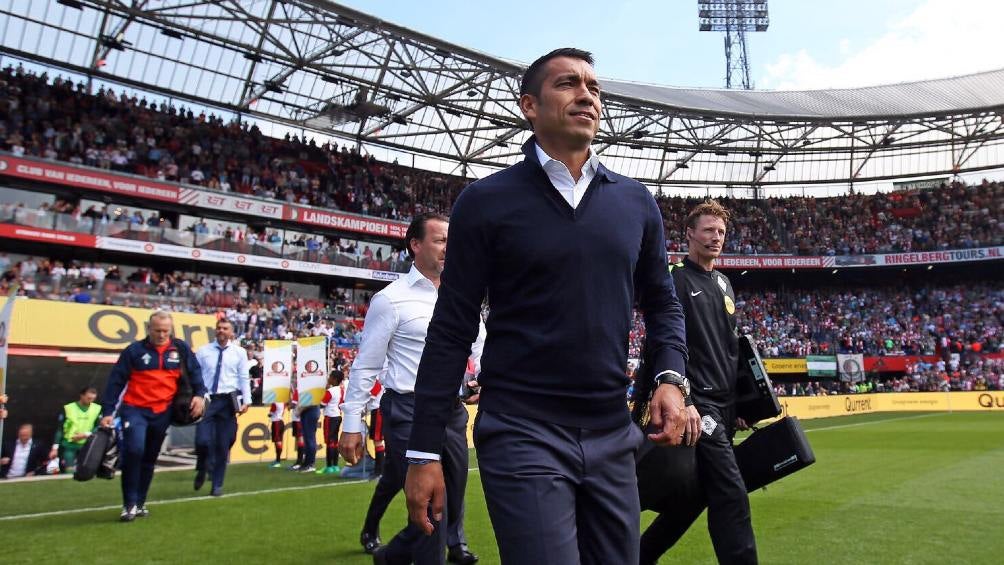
319 66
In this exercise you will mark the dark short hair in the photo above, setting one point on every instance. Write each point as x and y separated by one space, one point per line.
709 207
87 389
224 320
533 78
416 230
336 376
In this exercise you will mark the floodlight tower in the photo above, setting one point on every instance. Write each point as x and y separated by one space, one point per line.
735 18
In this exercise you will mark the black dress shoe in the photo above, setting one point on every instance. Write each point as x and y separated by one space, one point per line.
216 492
460 554
369 542
200 479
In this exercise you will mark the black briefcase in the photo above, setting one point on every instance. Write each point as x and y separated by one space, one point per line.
92 458
773 452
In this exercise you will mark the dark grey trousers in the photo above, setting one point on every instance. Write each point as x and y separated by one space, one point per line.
411 544
559 495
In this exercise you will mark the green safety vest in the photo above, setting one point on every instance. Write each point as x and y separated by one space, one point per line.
79 421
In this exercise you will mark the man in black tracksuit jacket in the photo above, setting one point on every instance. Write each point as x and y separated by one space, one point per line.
710 306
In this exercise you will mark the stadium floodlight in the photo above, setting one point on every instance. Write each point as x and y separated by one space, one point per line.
71 4
735 18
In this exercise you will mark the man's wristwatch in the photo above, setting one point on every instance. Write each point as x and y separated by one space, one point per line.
670 377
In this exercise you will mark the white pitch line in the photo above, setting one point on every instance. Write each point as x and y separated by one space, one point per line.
157 503
837 427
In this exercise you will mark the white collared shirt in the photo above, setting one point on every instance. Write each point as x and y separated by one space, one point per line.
562 179
392 343
233 373
19 460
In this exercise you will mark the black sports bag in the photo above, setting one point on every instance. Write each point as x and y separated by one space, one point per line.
772 452
97 457
181 412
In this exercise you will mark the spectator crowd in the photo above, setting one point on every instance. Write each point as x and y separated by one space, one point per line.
57 119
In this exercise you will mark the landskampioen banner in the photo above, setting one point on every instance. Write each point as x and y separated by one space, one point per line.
55 324
347 222
43 235
231 258
142 187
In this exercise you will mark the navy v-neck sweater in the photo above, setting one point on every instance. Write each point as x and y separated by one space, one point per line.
561 284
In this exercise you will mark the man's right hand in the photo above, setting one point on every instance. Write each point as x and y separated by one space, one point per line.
350 446
107 421
425 489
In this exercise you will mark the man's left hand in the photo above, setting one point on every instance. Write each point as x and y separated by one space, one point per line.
197 406
425 491
244 409
668 415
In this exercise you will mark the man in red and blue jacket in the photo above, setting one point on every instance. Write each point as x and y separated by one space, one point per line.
142 386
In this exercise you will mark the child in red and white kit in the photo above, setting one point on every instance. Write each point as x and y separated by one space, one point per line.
275 415
332 400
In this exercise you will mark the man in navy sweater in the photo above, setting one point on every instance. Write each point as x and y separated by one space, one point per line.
563 249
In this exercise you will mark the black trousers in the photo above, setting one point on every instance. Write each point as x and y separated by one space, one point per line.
411 544
724 495
214 436
559 495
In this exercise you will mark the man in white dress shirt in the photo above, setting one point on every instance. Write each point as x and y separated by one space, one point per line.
394 332
225 369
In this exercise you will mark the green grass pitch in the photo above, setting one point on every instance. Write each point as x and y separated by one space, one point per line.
886 488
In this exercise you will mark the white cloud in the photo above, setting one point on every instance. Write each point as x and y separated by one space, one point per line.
941 38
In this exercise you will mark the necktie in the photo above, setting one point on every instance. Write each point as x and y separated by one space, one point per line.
219 365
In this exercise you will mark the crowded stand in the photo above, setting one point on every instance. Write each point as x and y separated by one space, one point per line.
875 321
953 216
57 119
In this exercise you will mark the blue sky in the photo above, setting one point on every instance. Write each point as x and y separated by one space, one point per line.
810 43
